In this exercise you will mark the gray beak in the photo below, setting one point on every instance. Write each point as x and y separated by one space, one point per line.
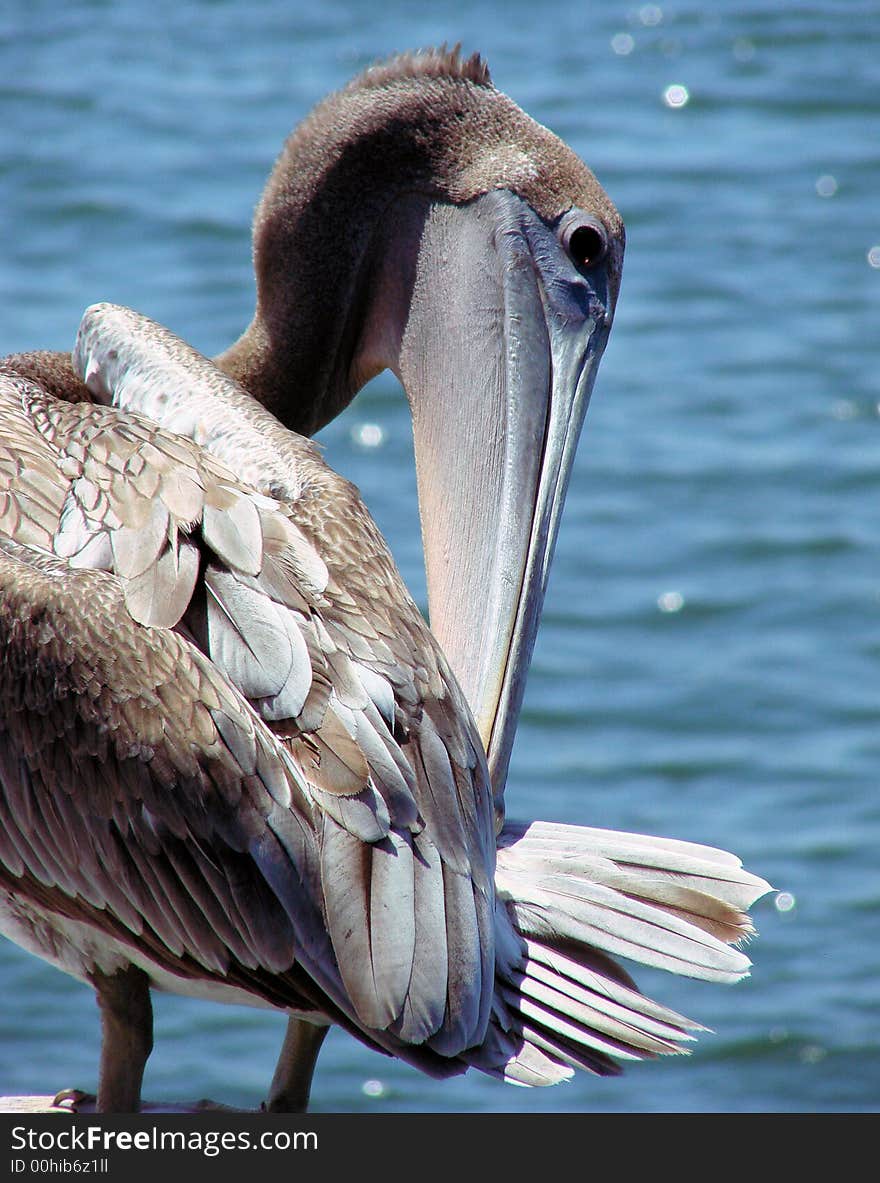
498 358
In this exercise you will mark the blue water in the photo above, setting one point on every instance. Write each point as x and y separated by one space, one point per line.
709 660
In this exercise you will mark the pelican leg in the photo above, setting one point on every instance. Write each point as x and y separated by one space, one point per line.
292 1082
126 1038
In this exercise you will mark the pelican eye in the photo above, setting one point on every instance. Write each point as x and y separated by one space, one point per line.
585 240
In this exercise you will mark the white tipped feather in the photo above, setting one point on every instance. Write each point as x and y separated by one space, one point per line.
181 490
389 779
308 568
379 690
97 554
288 703
363 815
160 595
135 548
74 532
248 640
234 534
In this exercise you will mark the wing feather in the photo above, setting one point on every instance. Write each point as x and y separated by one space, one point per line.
425 1004
461 1026
159 595
308 788
235 534
392 921
135 548
346 871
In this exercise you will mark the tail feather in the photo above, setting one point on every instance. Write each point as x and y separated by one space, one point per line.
571 898
608 993
565 1052
648 899
626 1021
576 849
559 1013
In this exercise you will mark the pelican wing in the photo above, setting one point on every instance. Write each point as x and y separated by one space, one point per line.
140 792
338 821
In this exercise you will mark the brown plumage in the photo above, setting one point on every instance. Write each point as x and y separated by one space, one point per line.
52 370
139 756
234 761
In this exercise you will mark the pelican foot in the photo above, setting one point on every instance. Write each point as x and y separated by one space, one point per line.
75 1101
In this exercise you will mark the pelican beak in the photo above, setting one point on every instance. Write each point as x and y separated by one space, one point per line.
498 359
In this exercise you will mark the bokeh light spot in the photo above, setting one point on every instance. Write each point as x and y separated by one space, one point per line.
675 95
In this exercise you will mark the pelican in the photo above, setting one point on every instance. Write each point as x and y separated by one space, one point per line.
235 762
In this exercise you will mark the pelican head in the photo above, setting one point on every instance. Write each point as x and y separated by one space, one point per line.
419 221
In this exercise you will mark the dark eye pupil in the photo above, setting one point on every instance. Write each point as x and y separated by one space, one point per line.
586 245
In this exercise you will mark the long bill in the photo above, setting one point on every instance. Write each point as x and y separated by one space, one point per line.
498 358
